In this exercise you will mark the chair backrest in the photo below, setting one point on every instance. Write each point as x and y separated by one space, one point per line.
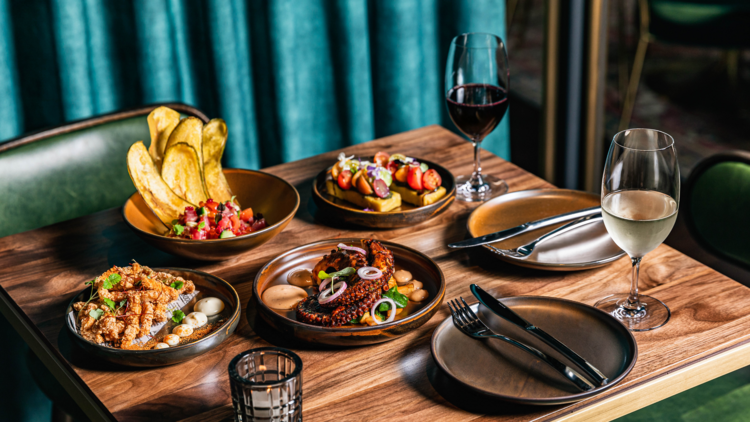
71 170
716 204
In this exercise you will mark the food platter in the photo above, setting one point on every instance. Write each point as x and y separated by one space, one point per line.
285 321
333 210
272 196
495 370
207 285
586 247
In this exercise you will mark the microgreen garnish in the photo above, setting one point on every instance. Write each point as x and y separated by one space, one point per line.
178 229
96 313
110 303
346 272
111 281
385 307
202 225
177 285
177 316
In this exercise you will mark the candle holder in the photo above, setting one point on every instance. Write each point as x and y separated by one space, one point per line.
266 385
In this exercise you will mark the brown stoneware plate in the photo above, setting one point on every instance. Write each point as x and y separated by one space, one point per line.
267 194
275 272
337 210
208 286
497 370
587 247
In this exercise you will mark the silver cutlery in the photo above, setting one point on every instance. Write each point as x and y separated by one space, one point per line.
526 227
468 323
499 309
524 251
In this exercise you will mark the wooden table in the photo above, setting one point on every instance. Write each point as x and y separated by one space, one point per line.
708 336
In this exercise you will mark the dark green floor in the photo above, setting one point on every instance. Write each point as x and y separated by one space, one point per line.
725 399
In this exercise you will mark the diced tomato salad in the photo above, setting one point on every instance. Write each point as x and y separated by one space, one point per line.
214 220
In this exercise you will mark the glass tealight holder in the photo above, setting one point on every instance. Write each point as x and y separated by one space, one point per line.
266 385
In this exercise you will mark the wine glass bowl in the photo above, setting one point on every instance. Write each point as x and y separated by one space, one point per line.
476 85
640 200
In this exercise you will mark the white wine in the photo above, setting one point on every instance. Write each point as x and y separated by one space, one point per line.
638 220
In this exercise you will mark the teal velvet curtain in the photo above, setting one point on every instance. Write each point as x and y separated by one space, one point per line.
292 78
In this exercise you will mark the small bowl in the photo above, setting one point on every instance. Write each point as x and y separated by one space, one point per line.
209 286
267 194
420 265
334 210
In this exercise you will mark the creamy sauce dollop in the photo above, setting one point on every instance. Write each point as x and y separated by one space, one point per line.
283 296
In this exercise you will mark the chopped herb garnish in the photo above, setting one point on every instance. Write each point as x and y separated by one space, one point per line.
173 222
202 225
111 281
178 229
177 316
202 211
96 313
110 303
346 272
177 285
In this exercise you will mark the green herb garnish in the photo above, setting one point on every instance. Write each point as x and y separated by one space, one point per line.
356 320
96 313
177 316
111 281
178 229
401 300
202 225
346 272
177 285
110 303
202 211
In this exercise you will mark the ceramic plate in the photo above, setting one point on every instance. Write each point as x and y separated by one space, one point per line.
275 272
496 369
589 246
208 286
332 210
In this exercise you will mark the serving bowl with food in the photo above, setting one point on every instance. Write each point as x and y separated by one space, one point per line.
348 292
139 316
188 205
383 191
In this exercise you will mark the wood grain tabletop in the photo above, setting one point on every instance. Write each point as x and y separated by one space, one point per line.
40 271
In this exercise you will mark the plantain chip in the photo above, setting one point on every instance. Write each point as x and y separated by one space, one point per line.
157 194
182 172
188 131
161 123
214 141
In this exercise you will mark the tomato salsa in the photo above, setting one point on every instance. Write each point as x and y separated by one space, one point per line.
216 220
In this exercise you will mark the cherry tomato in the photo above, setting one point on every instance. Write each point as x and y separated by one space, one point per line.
345 180
402 174
415 178
363 186
224 224
392 167
381 158
246 214
431 179
235 222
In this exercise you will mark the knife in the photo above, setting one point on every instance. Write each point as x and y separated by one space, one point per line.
523 228
499 309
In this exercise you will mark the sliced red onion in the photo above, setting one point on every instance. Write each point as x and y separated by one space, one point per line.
369 273
326 281
392 313
326 295
352 248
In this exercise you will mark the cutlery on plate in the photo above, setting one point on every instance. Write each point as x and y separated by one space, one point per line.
524 251
468 323
526 227
499 309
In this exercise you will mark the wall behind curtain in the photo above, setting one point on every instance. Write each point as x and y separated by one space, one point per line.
292 78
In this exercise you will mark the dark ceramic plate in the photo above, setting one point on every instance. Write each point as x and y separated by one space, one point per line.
209 286
422 268
497 370
265 193
335 209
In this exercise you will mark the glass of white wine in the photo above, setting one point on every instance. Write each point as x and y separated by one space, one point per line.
640 198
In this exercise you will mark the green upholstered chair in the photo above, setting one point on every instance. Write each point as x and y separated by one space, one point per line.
716 204
55 175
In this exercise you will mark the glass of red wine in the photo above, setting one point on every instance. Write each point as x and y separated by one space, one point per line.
476 91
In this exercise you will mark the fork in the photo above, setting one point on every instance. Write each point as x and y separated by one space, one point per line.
524 251
468 323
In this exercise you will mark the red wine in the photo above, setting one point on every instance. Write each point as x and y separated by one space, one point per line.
476 109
